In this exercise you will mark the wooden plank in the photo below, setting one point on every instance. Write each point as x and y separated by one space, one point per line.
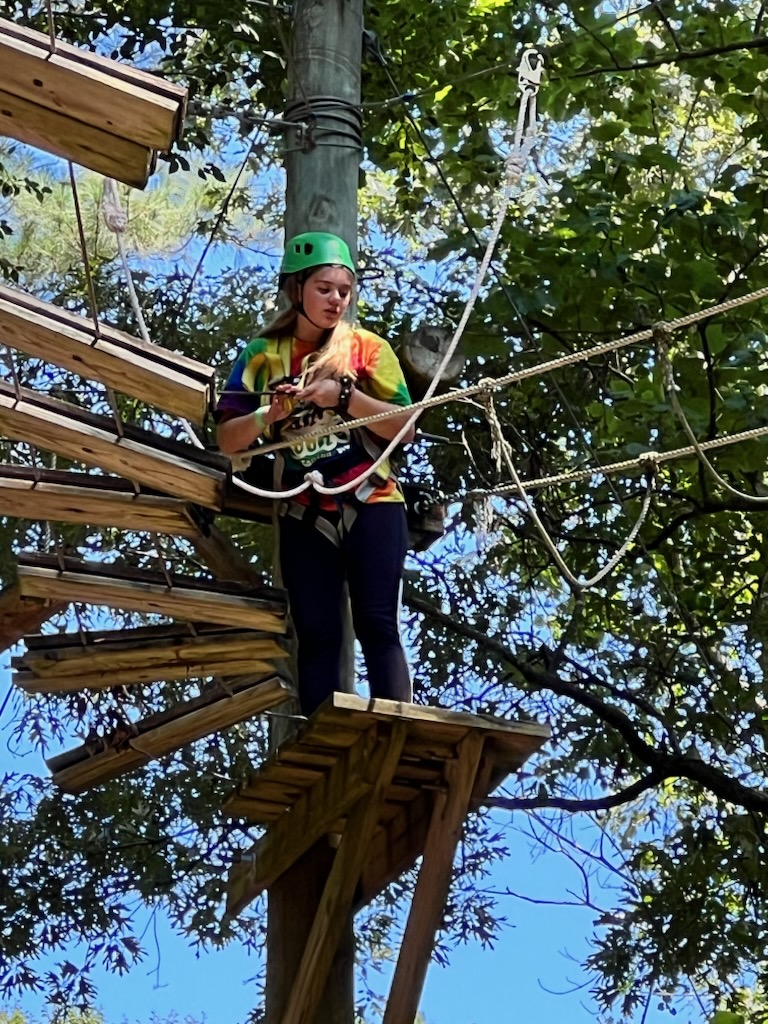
24 497
138 594
434 726
331 797
433 882
106 154
177 361
139 455
190 722
85 86
336 901
114 358
31 683
257 812
134 658
20 615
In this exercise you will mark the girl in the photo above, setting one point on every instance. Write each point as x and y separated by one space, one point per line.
315 370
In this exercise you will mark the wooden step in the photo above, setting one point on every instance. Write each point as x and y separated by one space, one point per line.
68 662
146 458
104 758
187 599
64 497
131 366
104 115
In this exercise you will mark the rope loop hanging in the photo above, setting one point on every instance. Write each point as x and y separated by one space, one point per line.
662 337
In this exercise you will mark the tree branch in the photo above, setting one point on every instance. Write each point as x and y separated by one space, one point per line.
661 763
563 804
674 58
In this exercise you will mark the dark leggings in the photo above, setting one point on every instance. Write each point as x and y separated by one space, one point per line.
370 558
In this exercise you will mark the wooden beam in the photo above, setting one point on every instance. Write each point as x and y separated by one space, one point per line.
86 108
336 900
88 499
170 467
106 154
131 590
328 799
433 882
126 364
132 656
77 770
20 615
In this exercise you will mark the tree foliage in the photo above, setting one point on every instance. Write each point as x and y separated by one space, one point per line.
648 204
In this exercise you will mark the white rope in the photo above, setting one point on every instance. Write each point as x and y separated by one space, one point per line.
116 220
662 344
504 451
529 78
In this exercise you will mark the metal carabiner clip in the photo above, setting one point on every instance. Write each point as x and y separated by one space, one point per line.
530 71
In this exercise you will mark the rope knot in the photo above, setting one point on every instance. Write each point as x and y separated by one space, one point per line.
662 333
114 215
315 478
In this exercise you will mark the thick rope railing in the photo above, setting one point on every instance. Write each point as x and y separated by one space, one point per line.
639 463
488 384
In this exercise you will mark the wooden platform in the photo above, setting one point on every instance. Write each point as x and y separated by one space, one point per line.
96 112
139 455
69 662
134 745
392 782
131 366
308 787
185 598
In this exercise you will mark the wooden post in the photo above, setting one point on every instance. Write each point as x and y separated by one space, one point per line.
322 166
433 883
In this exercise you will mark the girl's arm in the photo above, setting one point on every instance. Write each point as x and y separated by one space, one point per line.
241 432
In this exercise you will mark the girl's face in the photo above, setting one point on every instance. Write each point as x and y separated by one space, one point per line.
326 295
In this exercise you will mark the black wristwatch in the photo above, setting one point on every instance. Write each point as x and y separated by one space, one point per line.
346 384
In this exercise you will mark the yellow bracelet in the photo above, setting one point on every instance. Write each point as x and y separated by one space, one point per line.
260 416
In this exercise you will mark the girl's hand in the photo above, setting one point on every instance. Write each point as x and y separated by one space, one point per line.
282 403
322 393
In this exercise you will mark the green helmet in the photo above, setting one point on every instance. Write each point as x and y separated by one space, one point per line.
315 249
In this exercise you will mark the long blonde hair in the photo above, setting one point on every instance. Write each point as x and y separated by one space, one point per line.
334 357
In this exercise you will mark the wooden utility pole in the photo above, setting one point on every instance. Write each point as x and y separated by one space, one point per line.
322 161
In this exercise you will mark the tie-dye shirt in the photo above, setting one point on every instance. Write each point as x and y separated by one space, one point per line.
340 456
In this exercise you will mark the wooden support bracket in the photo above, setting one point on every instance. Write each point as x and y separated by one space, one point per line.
434 879
336 901
328 800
